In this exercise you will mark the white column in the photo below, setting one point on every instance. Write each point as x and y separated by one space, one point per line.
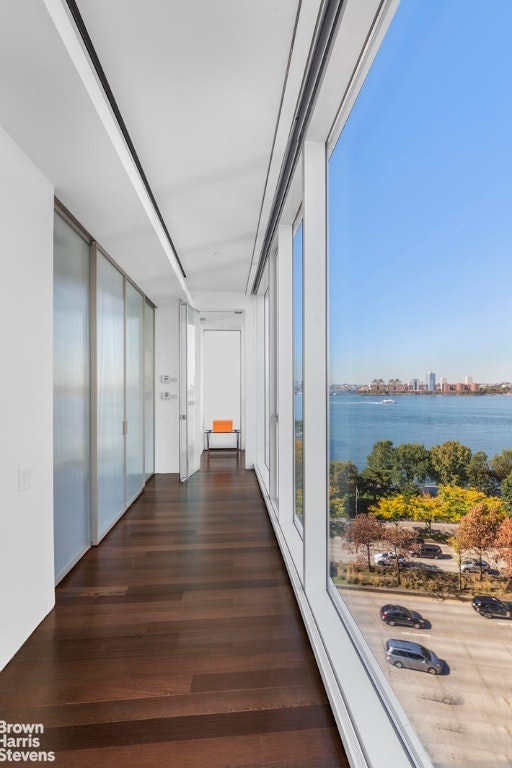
315 367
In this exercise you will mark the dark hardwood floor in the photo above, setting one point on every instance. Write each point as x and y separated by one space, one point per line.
177 643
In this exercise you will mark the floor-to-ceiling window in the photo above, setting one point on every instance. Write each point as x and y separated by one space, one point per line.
298 369
266 375
419 414
71 404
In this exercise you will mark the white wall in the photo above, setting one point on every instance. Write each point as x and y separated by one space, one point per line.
222 381
26 395
167 456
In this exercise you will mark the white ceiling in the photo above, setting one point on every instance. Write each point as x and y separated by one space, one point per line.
207 91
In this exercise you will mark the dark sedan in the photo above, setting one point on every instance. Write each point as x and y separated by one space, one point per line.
397 614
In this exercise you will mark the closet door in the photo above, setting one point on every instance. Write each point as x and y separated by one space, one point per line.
110 421
134 416
71 398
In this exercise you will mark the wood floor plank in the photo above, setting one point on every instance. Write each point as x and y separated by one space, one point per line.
178 642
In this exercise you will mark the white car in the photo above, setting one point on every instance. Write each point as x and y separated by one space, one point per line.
388 559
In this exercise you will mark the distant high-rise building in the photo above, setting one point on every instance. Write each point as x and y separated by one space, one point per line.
468 380
430 381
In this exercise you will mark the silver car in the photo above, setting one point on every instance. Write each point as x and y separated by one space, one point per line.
403 653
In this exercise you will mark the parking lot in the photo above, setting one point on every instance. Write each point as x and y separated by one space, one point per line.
341 553
463 717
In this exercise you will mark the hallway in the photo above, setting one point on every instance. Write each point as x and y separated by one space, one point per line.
177 642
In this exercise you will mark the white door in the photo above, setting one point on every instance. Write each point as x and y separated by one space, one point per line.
190 434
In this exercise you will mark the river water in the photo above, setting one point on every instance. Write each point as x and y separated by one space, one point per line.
357 422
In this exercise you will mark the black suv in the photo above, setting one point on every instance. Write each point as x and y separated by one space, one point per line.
397 614
428 550
491 607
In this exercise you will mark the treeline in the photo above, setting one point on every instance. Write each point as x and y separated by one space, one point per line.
395 482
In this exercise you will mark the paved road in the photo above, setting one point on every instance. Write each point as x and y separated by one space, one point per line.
464 718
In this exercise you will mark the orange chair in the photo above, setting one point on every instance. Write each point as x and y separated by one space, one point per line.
222 426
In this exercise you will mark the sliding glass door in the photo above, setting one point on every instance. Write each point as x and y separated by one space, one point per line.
71 412
110 394
134 402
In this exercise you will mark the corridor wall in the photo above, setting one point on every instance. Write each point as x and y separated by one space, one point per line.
26 392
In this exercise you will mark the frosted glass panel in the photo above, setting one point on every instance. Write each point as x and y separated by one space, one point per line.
149 389
71 435
110 362
134 392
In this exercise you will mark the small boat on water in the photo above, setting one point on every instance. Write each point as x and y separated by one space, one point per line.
387 402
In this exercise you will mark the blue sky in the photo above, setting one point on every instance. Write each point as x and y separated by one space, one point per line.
420 202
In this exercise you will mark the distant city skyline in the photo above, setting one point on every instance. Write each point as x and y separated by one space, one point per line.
420 231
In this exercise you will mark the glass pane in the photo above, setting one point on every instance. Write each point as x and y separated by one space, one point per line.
149 389
110 362
419 324
71 387
298 376
134 392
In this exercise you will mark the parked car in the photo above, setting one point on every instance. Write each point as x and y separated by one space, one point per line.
491 607
475 566
404 653
397 614
427 550
389 559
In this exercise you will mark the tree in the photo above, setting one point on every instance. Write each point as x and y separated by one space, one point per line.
337 504
372 485
455 544
450 462
506 492
378 473
480 475
412 466
344 477
401 539
504 544
392 508
501 464
455 502
425 509
299 478
363 531
478 530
